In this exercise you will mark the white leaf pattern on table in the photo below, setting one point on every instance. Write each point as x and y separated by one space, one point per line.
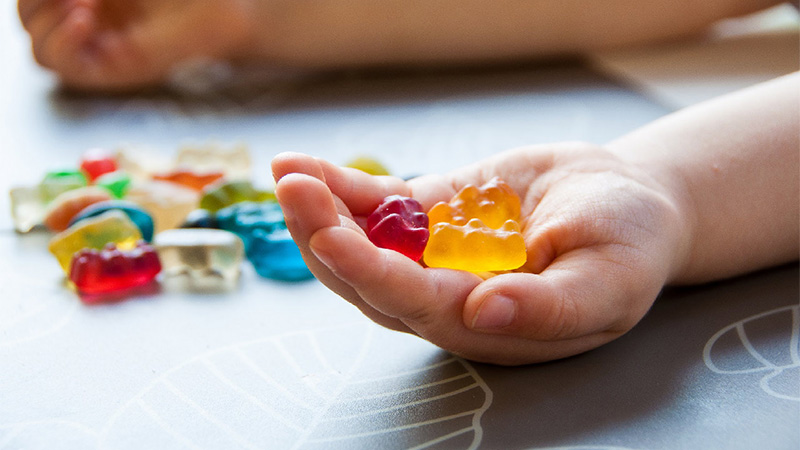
330 388
724 352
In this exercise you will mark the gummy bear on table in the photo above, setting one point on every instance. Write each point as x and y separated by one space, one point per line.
95 233
268 244
203 255
101 209
111 269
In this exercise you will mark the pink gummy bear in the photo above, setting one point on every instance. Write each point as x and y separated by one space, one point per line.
96 162
400 224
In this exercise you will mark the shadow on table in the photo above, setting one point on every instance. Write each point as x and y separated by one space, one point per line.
258 95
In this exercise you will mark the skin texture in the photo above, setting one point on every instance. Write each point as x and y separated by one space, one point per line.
116 45
705 193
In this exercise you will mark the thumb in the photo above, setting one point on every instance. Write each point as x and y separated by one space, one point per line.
572 298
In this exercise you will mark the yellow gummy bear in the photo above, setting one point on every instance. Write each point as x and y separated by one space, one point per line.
112 226
474 247
369 165
493 203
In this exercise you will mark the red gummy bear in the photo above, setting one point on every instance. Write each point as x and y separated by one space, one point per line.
113 270
96 162
400 224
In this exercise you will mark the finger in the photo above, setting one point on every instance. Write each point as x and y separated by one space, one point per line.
64 47
86 57
86 54
585 292
295 193
30 9
59 29
429 301
41 16
299 163
360 191
292 162
26 8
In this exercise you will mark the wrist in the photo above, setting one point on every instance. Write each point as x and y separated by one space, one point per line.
665 179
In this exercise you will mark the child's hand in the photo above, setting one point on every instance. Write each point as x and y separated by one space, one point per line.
602 240
122 44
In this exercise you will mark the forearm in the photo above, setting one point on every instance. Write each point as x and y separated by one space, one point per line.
732 166
340 33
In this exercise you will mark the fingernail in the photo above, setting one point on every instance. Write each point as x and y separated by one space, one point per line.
288 212
497 311
325 257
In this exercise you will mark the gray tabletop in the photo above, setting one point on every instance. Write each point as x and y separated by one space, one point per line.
290 365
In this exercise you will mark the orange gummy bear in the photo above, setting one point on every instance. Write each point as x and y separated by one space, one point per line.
493 203
474 247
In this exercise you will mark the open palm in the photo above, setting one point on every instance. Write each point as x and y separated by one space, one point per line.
602 240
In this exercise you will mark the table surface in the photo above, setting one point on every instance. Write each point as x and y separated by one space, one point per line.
290 365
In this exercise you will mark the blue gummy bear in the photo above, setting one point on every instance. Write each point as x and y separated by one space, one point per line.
275 255
141 218
200 218
246 217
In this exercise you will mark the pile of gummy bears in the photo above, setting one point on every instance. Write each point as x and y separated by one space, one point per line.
477 230
119 223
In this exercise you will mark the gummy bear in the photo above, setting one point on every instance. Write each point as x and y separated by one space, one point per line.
57 182
227 194
245 217
96 162
141 163
95 232
192 180
200 218
116 182
399 224
369 165
138 215
64 207
275 255
204 255
111 269
233 162
168 203
474 247
493 203
27 208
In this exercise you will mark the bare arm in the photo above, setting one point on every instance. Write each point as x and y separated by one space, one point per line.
336 33
733 164
119 44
